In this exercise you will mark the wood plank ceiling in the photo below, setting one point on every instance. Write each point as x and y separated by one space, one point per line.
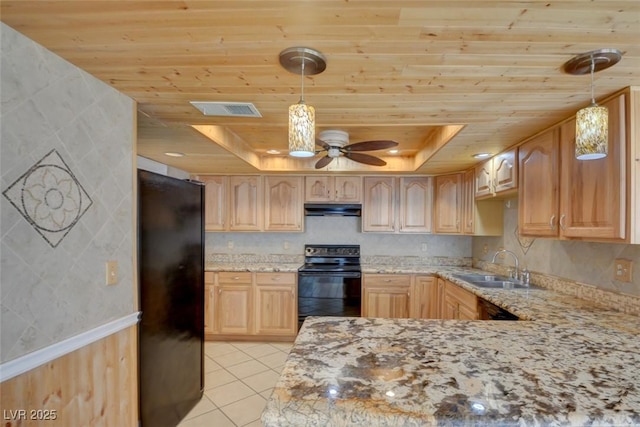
412 71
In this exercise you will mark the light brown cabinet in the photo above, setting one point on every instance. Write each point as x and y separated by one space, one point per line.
283 203
448 204
215 194
251 305
561 196
333 189
424 298
416 204
498 175
378 210
234 303
245 203
459 303
276 304
386 295
480 217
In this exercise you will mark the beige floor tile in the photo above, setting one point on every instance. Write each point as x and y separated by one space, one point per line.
231 359
283 346
229 393
205 405
214 349
246 369
274 360
261 382
210 365
267 393
217 378
214 418
256 423
241 345
259 351
246 410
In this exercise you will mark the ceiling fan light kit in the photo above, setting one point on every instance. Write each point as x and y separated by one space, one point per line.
592 122
302 117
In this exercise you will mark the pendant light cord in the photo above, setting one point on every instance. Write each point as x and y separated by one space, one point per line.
302 83
593 66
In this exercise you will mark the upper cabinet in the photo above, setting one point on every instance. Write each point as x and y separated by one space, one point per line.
283 203
333 189
498 175
245 202
560 196
448 204
378 210
215 194
416 202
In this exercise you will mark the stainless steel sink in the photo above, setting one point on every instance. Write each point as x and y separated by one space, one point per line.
493 281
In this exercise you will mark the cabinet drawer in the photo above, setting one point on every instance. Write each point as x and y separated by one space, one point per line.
376 280
276 278
243 277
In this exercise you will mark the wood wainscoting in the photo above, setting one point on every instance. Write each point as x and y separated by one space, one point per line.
95 385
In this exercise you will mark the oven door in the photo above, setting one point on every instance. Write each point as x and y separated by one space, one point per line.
328 294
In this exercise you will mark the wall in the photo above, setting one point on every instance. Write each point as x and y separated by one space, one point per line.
584 262
66 151
339 230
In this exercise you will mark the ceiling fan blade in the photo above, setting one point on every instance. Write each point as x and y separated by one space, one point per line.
324 161
365 158
371 145
322 144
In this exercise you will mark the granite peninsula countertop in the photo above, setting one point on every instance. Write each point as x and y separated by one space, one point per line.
572 362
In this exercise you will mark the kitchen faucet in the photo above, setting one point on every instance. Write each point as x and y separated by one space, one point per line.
515 257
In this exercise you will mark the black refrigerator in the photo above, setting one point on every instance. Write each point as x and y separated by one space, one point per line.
171 284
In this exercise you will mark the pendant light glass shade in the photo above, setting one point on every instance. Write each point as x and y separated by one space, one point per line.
302 130
592 130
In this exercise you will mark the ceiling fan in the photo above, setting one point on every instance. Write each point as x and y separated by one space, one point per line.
336 144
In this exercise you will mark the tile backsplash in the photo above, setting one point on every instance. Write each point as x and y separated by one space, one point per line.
67 147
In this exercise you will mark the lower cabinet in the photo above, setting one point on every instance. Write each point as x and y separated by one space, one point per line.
250 305
416 296
386 295
459 303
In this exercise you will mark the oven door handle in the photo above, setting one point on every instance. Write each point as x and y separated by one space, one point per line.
348 275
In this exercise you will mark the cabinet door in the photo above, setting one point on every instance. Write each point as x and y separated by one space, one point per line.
505 171
215 202
416 199
469 202
276 310
459 303
245 203
348 189
538 198
378 212
593 194
209 303
438 304
484 179
424 290
283 203
448 204
233 309
318 189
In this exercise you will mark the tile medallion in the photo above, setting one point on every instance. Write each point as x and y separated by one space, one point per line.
49 197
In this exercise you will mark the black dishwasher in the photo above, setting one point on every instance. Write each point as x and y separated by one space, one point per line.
490 311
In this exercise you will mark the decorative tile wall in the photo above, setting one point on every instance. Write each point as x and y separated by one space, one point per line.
66 156
585 269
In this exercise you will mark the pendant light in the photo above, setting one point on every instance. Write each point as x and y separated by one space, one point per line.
302 126
592 122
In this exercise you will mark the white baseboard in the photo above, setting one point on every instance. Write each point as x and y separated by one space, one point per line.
37 358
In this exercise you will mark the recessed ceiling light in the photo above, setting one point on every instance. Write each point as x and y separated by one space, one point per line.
394 151
482 155
174 154
273 151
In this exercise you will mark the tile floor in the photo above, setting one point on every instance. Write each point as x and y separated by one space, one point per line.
239 378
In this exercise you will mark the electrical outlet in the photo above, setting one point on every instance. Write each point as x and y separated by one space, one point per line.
485 249
112 272
623 270
285 245
423 247
230 244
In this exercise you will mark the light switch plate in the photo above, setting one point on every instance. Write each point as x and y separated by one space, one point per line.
623 270
112 272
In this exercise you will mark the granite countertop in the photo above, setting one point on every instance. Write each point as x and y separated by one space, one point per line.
571 362
253 266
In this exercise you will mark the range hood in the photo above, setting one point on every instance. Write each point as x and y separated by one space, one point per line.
331 209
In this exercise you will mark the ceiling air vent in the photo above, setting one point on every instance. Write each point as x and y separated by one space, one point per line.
229 109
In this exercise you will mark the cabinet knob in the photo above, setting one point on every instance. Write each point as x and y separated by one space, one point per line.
219 291
562 224
552 222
